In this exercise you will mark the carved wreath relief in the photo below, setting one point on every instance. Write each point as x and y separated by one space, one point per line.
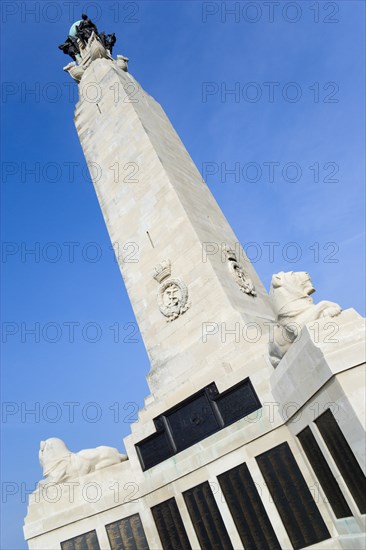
172 294
240 275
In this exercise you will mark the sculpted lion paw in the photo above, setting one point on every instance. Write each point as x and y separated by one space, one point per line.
332 310
290 294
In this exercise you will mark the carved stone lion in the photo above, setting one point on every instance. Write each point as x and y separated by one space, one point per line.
59 464
290 294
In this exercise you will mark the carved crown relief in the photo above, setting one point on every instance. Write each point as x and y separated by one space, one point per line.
172 294
241 277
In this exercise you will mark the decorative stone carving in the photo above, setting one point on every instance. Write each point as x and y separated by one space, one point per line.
75 71
96 48
172 294
290 294
122 62
162 271
59 464
241 277
173 298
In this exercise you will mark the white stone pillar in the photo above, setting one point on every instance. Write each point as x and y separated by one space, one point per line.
165 221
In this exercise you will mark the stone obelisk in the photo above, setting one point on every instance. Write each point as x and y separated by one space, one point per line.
191 286
235 435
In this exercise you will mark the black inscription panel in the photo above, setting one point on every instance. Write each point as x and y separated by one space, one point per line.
324 474
292 497
237 402
170 526
127 533
344 457
206 518
247 509
154 449
87 541
199 416
192 422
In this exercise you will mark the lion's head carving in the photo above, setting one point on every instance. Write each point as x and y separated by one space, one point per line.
290 294
289 287
52 449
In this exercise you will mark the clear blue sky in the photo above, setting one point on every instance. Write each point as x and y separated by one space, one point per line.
299 74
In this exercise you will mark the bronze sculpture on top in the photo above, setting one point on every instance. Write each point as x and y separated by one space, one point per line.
82 30
85 43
